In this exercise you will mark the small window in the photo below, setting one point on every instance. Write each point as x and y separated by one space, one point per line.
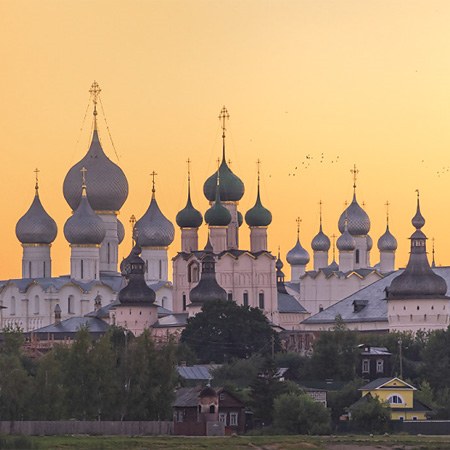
261 300
82 269
365 366
233 419
70 305
212 409
414 418
380 366
245 299
230 296
29 269
223 418
320 308
43 267
357 256
184 302
160 269
13 306
36 304
222 396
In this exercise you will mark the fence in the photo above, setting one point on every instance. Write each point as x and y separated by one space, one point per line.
43 428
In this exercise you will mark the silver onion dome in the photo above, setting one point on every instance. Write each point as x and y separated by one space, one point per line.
120 231
84 227
153 229
387 242
345 241
358 220
36 226
297 256
108 186
321 242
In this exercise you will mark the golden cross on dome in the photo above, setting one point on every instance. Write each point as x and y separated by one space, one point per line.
387 204
95 92
223 116
36 172
83 175
418 194
354 172
132 224
153 175
189 169
299 221
320 212
333 237
258 165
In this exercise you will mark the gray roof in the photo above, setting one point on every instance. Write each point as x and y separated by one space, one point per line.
172 320
114 282
379 382
374 350
72 326
197 372
187 397
329 271
289 304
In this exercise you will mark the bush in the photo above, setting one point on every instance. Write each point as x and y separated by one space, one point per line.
300 414
370 414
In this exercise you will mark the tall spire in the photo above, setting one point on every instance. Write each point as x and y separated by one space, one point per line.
36 186
223 116
333 237
387 204
433 262
189 177
354 172
133 231
320 215
95 92
418 220
299 221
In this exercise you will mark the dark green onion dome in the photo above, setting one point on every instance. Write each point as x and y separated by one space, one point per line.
218 215
207 289
153 229
136 292
358 220
240 218
387 242
108 186
84 227
418 281
189 217
258 216
231 187
36 226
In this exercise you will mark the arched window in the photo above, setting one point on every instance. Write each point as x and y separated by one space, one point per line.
13 306
160 270
261 300
395 399
245 298
184 302
357 256
82 269
70 304
193 272
36 304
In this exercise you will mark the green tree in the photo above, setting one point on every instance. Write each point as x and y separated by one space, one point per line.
224 330
300 414
339 401
370 414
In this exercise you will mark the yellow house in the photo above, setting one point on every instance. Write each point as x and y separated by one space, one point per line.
399 396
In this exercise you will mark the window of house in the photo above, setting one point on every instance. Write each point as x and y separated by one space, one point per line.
223 418
365 366
245 299
380 366
233 419
179 416
222 396
414 418
261 300
395 399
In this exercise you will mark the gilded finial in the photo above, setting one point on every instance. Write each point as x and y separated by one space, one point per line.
95 92
153 175
333 237
418 194
258 168
36 186
387 204
189 169
354 172
278 252
320 214
433 262
223 116
83 182
299 221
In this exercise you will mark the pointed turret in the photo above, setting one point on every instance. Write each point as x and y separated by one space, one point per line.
297 257
320 245
387 244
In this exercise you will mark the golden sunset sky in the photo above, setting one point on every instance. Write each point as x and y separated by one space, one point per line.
361 82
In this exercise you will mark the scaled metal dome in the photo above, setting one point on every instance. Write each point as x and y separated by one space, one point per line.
153 229
36 226
189 217
258 216
297 256
84 227
120 231
108 186
387 242
321 242
218 215
345 241
358 220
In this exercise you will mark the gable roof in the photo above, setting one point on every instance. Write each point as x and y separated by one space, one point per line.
381 383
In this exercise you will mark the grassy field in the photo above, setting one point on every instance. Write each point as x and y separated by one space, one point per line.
396 442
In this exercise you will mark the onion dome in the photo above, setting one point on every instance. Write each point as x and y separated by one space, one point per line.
189 217
369 242
207 289
297 256
153 229
120 231
231 187
387 242
240 218
258 216
36 226
321 242
108 186
218 215
136 292
358 220
418 280
84 227
346 242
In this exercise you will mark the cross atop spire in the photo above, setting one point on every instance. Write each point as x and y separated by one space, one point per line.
95 92
36 172
320 214
83 181
333 237
258 165
433 262
132 223
189 170
387 204
223 116
299 221
354 172
418 194
153 175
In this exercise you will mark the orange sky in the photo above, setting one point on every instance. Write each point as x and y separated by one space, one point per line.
368 81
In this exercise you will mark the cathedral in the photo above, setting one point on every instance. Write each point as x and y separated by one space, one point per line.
138 295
